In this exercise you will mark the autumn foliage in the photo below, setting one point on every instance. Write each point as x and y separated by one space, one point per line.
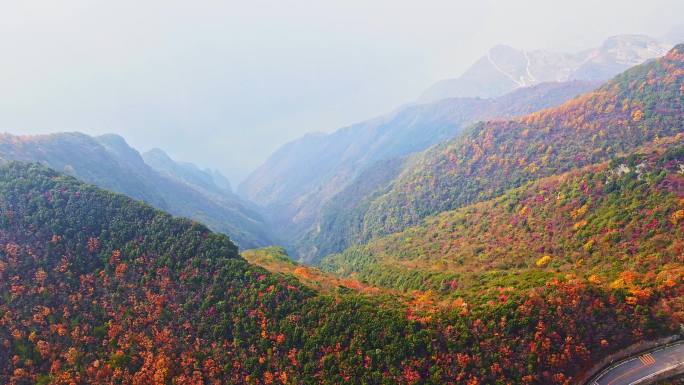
635 108
566 245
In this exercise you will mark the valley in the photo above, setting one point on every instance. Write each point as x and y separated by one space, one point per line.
522 223
103 289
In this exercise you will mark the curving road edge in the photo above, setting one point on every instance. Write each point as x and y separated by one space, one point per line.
656 364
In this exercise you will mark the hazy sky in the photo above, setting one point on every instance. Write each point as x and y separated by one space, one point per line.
224 83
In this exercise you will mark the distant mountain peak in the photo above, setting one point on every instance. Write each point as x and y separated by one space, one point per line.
502 49
157 153
112 138
504 68
186 172
118 145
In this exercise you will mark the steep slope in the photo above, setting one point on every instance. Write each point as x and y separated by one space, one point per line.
504 69
108 161
635 108
626 214
98 289
303 175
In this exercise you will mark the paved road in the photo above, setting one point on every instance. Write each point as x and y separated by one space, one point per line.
640 368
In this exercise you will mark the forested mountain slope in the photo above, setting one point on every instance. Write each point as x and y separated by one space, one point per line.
637 107
276 260
109 162
597 222
299 178
97 288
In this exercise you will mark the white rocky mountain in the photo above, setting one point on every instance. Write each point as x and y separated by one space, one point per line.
503 68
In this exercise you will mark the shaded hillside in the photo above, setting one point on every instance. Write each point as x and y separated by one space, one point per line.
298 179
635 108
109 162
596 222
98 289
337 226
504 68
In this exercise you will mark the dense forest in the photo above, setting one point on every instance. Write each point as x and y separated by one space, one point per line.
518 250
98 288
602 222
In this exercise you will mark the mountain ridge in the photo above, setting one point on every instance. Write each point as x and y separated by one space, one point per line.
505 68
108 161
491 157
583 220
298 180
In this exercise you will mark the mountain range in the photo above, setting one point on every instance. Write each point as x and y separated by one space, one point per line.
515 239
180 188
503 68
309 189
98 288
638 106
299 179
